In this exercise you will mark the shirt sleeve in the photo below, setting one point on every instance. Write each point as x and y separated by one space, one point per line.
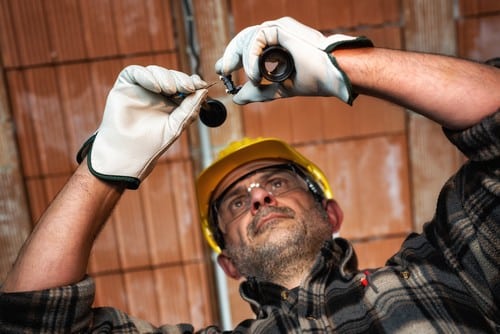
68 309
466 226
63 309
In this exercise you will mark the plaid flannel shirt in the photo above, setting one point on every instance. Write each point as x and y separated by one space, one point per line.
445 280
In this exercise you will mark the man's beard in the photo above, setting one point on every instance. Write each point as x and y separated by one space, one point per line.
293 252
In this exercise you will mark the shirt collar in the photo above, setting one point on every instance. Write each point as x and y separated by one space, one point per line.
336 257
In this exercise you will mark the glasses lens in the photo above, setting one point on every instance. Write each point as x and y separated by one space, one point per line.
236 200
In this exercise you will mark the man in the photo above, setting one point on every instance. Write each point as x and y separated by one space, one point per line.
269 211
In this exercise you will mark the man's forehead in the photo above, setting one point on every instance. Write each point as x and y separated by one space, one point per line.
243 170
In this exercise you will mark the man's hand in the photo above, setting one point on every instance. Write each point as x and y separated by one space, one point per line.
316 71
140 122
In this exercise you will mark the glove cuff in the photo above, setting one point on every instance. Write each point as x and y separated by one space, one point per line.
86 151
347 43
358 42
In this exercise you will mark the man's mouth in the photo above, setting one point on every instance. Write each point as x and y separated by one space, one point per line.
267 217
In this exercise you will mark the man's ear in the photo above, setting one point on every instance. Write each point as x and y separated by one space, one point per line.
335 214
227 265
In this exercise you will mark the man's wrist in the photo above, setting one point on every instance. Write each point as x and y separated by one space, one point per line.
83 172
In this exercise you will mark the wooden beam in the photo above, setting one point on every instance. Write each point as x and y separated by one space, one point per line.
15 221
429 27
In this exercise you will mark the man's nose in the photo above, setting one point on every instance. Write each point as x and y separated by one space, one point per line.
260 197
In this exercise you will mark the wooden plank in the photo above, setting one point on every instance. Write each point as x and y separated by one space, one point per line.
15 222
429 28
212 24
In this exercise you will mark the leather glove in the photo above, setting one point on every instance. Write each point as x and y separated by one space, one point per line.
140 122
316 70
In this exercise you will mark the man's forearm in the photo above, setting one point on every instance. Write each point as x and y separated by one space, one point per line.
57 251
454 92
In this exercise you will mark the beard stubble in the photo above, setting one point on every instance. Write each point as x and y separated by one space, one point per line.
291 251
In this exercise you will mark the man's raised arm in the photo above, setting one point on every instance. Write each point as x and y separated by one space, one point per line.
454 92
140 122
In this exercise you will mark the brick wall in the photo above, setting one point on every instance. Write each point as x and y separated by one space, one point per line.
61 57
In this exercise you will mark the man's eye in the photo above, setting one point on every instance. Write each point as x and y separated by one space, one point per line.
236 203
278 183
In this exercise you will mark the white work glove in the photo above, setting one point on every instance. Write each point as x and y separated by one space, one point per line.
140 122
316 70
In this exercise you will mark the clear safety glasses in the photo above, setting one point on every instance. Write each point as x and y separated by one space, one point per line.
275 180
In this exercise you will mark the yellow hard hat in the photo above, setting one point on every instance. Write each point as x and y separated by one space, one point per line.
239 153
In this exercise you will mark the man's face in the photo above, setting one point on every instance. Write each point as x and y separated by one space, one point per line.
270 222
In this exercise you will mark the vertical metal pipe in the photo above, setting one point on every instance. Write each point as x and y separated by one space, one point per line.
206 159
